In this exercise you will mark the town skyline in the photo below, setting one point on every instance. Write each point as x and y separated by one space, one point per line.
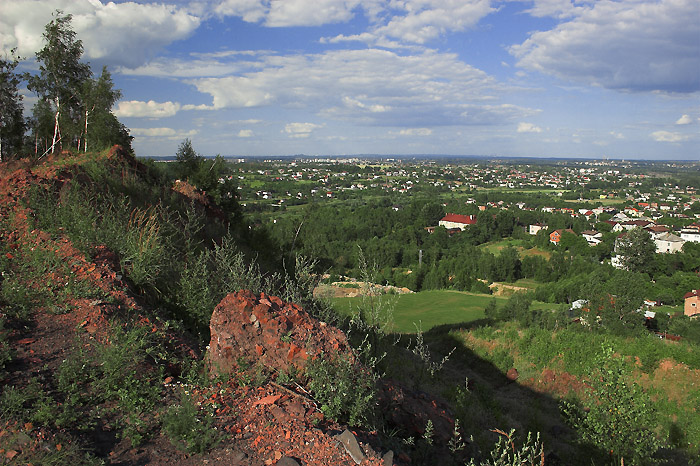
495 78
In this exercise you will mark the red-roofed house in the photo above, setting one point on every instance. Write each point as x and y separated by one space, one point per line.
692 303
451 221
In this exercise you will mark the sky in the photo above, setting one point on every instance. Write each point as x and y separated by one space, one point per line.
518 78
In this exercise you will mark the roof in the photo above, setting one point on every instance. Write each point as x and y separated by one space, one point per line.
589 233
670 237
690 294
457 218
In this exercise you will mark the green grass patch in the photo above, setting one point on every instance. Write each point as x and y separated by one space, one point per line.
431 308
522 246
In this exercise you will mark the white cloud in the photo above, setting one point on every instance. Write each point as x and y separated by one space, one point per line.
631 45
125 33
301 130
245 133
413 21
617 135
668 136
283 13
150 109
416 132
419 21
167 133
528 128
369 86
684 120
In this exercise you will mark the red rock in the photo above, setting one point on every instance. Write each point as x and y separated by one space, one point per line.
259 330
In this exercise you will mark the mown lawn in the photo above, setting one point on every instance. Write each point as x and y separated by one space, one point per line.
432 308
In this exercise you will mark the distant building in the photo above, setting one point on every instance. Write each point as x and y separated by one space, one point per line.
555 236
668 243
536 227
692 306
593 238
452 221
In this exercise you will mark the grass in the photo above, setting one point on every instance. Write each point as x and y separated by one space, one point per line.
496 247
433 308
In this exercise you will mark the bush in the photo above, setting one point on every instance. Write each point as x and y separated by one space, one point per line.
343 389
620 420
189 429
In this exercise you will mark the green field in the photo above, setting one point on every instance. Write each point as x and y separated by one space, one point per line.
432 308
495 248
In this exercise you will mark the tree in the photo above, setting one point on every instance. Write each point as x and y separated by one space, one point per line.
12 124
620 419
637 251
187 159
98 96
61 78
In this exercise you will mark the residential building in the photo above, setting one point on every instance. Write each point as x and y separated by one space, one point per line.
592 237
451 221
536 227
555 236
668 243
692 303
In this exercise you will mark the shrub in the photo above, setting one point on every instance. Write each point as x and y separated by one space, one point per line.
620 419
507 453
344 389
189 429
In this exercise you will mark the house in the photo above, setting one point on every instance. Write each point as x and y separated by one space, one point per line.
536 227
692 303
592 237
657 230
452 221
555 236
691 233
668 243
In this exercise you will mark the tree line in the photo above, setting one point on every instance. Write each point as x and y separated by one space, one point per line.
74 107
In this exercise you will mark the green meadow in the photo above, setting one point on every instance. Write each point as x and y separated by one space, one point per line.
431 308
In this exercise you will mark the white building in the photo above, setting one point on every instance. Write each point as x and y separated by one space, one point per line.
668 243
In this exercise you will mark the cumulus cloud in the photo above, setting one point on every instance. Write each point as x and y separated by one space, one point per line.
279 13
150 109
528 128
684 120
630 45
245 133
125 33
370 86
301 130
668 136
168 133
416 132
419 21
412 21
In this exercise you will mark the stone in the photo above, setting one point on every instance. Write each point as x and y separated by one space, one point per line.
287 461
348 440
388 458
265 330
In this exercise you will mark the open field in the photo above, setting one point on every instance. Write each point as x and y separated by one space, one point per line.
495 248
432 308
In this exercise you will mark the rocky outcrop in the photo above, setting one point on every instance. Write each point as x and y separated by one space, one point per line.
265 330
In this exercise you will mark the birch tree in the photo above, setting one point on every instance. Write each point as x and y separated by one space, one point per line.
61 78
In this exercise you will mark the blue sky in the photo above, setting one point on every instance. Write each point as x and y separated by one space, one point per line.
550 78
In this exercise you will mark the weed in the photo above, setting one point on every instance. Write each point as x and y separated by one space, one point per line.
344 389
422 351
507 453
188 428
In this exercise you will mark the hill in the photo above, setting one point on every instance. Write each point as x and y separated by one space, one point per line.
104 328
